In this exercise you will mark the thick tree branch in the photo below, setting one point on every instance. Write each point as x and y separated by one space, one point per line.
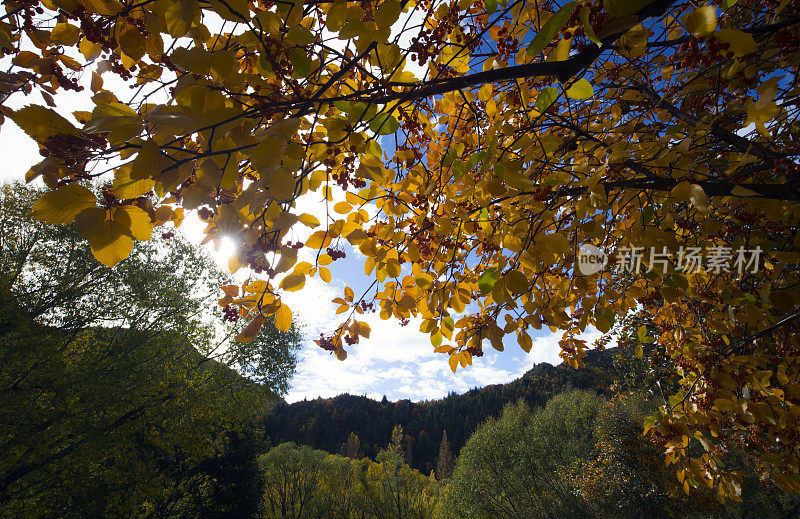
563 70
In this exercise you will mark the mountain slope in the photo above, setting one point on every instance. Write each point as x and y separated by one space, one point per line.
327 423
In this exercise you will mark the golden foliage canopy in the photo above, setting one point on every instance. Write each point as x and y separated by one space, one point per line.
467 148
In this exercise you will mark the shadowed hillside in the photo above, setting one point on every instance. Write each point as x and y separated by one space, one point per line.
326 423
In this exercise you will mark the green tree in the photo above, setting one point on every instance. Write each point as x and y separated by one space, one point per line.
108 408
445 462
515 466
292 476
352 447
393 490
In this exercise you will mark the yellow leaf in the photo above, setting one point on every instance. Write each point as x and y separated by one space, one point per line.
423 279
103 7
581 89
283 318
90 50
125 187
130 40
293 282
96 85
147 163
90 222
701 21
698 198
319 240
325 274
337 15
42 124
112 244
121 122
525 342
681 191
65 34
349 295
63 204
634 42
135 219
302 268
561 52
342 208
231 290
252 329
453 362
387 13
231 173
516 282
485 92
553 242
309 220
180 15
363 329
281 184
741 43
299 35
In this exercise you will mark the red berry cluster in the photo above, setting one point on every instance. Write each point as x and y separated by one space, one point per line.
335 254
787 42
506 45
702 51
475 351
409 121
784 166
230 314
64 82
73 150
326 343
29 8
596 16
345 177
205 214
423 47
96 30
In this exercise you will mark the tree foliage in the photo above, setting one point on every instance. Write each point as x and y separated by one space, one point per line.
466 148
304 483
583 456
108 409
444 463
515 466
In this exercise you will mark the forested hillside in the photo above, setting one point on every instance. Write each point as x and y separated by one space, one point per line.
327 423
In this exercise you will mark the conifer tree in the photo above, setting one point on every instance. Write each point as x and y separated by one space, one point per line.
444 465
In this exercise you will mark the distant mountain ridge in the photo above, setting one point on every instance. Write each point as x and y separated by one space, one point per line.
326 423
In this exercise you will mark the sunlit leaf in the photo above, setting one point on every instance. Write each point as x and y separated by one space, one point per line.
63 204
